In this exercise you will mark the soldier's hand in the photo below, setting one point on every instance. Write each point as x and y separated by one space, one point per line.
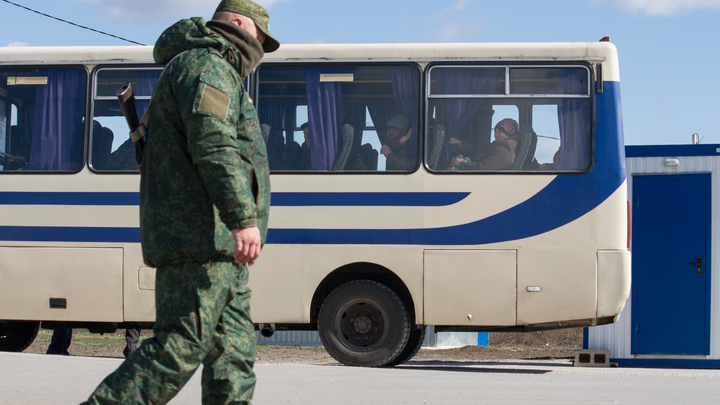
247 245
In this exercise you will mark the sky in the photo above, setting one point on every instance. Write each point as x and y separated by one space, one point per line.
668 49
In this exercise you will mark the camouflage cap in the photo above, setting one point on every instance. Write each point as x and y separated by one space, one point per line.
258 14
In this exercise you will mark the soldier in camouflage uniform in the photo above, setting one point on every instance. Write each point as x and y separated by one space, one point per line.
204 200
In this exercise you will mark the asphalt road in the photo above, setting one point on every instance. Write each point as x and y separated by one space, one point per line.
42 379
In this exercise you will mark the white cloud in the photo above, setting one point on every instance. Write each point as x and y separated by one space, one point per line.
449 23
460 5
452 31
662 7
16 44
133 11
455 7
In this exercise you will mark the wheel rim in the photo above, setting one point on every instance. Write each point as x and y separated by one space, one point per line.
360 324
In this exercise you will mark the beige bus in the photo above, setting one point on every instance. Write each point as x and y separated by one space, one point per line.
388 211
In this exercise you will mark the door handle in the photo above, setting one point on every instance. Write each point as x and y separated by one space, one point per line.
698 264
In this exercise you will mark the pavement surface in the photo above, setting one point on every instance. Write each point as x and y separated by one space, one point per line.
43 379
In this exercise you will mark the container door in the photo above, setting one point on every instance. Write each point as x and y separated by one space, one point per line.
670 264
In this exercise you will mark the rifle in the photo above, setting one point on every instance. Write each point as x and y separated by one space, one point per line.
138 128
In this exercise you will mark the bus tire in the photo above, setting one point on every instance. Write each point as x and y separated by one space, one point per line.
17 336
415 342
364 323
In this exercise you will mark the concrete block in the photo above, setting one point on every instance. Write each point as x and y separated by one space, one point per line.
592 358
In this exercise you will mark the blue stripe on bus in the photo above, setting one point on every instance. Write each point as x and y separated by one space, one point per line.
366 199
69 234
69 198
565 199
278 199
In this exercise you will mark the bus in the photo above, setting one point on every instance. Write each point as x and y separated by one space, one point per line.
372 236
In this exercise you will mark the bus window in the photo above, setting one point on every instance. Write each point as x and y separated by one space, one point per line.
43 115
347 110
546 127
110 145
517 118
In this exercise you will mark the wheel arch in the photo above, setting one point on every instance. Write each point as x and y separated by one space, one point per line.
361 271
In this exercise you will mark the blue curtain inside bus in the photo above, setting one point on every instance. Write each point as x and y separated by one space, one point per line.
574 121
271 118
57 136
407 93
324 106
146 81
457 112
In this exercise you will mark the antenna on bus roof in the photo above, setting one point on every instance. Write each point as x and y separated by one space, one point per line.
605 39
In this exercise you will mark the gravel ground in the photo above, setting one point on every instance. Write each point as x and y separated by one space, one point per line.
558 344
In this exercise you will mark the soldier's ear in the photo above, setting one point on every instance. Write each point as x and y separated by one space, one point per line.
239 22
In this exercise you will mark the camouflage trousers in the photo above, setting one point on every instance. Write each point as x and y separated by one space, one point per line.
203 317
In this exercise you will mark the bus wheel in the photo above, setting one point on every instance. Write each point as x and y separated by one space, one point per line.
417 337
17 336
364 323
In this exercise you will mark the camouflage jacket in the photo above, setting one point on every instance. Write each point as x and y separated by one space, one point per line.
204 169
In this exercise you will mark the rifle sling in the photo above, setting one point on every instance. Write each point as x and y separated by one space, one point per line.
141 130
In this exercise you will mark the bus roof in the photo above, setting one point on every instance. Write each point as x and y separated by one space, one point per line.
590 51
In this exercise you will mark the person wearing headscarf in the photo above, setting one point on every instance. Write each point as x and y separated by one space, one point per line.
499 155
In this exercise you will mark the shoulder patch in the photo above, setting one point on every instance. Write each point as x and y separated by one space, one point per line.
213 101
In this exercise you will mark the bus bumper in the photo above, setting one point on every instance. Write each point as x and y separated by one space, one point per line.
613 282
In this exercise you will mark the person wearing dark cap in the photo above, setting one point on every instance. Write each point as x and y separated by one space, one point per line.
499 155
204 203
395 149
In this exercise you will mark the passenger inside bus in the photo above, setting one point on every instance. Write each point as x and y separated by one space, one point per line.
499 155
305 162
17 156
281 155
275 144
103 157
10 162
366 158
101 145
555 162
292 155
396 148
123 158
